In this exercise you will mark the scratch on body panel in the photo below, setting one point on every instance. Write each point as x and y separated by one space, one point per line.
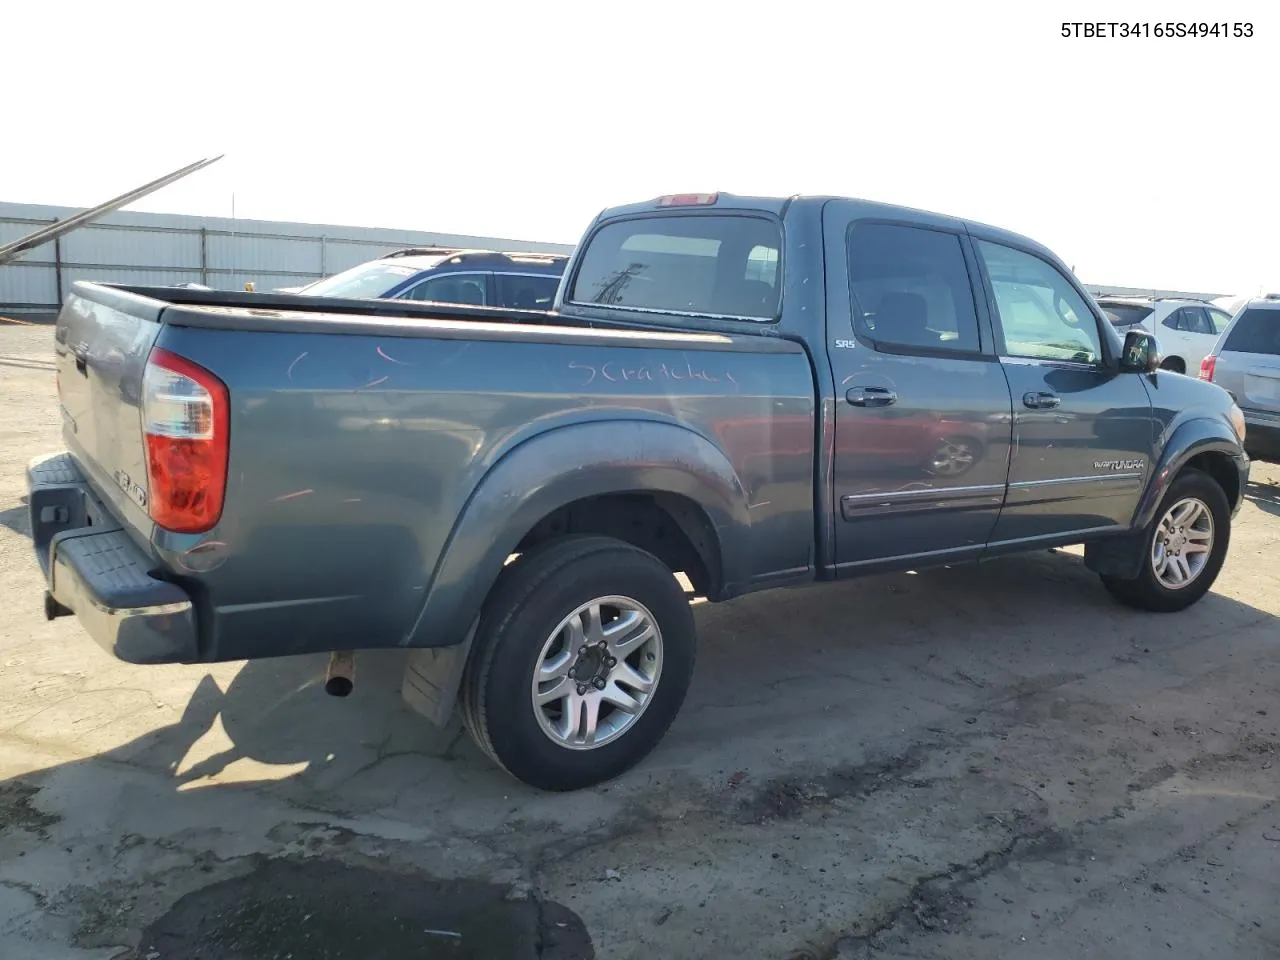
385 356
291 496
615 372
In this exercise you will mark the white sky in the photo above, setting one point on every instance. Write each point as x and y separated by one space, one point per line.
1142 162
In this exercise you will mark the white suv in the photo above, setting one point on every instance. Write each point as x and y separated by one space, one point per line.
1185 329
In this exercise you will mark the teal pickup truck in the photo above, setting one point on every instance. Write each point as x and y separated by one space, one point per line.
750 393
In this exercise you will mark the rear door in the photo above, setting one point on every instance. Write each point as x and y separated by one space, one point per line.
1191 335
922 406
1201 334
1083 431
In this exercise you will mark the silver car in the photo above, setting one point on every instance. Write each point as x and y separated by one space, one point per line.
1246 363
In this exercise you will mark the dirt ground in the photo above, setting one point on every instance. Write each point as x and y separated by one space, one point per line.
983 762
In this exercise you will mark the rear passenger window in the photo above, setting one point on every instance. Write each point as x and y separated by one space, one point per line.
526 292
1256 331
1198 322
911 288
456 288
725 266
1190 320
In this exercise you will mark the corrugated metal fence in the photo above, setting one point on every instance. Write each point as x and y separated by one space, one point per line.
154 248
219 252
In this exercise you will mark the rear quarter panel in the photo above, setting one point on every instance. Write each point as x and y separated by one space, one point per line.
353 456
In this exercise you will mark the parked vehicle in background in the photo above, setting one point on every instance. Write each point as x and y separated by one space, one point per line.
519 281
752 392
1246 363
1186 329
1232 305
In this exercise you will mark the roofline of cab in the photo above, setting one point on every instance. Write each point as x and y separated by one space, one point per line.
778 206
724 201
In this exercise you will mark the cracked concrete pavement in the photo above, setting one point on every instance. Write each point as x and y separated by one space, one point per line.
991 761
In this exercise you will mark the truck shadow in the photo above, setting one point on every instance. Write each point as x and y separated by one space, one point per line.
15 519
315 887
822 674
1265 496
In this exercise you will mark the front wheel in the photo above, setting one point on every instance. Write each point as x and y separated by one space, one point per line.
1183 547
583 657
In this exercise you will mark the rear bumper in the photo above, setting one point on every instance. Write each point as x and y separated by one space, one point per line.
1262 435
94 570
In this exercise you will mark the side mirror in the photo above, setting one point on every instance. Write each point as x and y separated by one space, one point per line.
1141 353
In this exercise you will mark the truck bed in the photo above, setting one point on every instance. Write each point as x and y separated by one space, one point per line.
234 309
362 433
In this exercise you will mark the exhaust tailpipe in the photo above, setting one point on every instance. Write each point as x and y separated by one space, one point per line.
340 678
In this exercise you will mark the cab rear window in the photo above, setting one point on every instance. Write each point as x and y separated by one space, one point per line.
721 266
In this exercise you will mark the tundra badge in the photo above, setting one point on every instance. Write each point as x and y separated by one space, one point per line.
1119 464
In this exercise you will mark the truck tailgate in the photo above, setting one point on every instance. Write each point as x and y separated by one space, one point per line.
101 357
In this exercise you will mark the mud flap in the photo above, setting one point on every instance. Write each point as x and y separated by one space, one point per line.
1119 557
432 676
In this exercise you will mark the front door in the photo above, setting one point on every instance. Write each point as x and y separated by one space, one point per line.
1083 431
922 406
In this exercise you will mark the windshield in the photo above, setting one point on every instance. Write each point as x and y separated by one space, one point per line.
366 280
1125 314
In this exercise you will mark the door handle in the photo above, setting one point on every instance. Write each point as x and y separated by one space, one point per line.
870 396
1041 400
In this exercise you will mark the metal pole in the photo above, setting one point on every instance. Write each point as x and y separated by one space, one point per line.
323 269
204 255
57 267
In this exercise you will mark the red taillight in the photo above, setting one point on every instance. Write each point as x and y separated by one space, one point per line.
185 418
688 200
1207 366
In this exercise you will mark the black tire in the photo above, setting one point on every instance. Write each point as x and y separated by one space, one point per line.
1146 592
1173 365
533 595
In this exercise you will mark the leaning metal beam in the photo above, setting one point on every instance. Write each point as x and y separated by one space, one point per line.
15 249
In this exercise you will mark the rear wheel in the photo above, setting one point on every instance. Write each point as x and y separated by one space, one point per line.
1183 547
583 657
